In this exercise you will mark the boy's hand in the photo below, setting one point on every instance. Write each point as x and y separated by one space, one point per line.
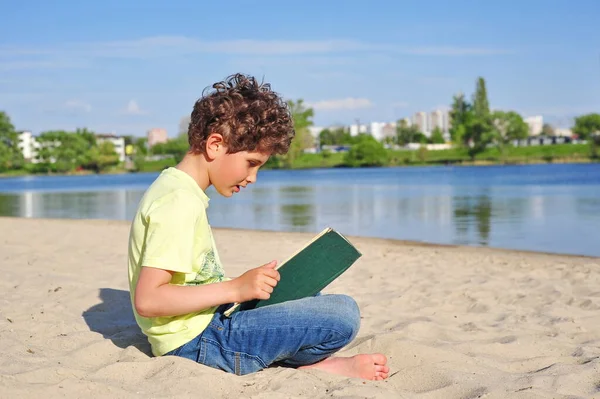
257 283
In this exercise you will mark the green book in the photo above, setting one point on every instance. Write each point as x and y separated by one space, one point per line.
308 271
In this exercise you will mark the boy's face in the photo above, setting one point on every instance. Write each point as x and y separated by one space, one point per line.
229 173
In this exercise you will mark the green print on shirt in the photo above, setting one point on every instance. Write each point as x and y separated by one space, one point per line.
210 271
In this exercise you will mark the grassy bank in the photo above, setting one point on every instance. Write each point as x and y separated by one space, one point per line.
560 153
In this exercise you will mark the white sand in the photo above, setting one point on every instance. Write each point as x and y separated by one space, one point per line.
455 322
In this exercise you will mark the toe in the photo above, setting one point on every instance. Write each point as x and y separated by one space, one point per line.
379 358
382 368
380 376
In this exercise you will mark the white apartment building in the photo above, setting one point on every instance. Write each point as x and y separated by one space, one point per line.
388 130
436 120
428 122
375 129
535 123
420 120
355 130
118 143
439 119
28 146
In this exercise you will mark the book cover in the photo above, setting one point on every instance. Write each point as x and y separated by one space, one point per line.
308 271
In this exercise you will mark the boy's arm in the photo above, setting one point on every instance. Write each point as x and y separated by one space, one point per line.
155 296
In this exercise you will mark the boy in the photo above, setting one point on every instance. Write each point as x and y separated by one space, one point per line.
177 284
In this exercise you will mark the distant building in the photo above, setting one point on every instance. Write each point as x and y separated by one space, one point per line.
118 143
388 130
157 135
420 121
439 119
356 129
315 130
375 129
535 123
28 146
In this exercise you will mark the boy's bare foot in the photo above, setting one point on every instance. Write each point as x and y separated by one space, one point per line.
368 367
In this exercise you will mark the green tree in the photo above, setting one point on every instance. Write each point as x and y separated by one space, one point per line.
302 117
587 127
437 137
140 146
177 147
342 137
408 134
102 157
481 105
508 126
478 132
367 151
547 130
337 136
388 140
326 137
460 118
65 151
11 156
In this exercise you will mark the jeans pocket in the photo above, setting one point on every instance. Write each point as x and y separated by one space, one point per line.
212 354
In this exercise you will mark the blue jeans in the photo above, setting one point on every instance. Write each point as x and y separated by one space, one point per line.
293 334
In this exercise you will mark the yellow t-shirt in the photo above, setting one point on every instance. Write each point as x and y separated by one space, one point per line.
170 231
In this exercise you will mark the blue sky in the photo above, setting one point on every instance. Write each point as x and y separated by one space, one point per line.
127 66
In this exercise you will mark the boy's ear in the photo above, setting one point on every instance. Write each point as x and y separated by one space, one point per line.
215 146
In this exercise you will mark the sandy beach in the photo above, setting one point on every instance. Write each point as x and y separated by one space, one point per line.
455 322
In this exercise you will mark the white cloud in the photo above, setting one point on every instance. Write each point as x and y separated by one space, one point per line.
169 46
343 103
78 105
133 108
454 51
40 64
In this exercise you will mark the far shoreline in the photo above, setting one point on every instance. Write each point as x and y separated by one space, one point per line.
477 163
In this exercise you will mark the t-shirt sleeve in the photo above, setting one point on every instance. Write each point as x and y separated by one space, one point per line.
169 242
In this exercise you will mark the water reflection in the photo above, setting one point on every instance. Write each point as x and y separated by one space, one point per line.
119 204
297 207
385 203
10 206
473 213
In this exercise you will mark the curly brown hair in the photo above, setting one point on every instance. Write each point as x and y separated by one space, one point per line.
249 116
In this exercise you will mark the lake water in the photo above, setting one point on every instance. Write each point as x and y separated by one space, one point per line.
552 208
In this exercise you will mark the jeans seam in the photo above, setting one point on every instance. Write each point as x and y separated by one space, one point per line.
202 351
236 353
346 337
